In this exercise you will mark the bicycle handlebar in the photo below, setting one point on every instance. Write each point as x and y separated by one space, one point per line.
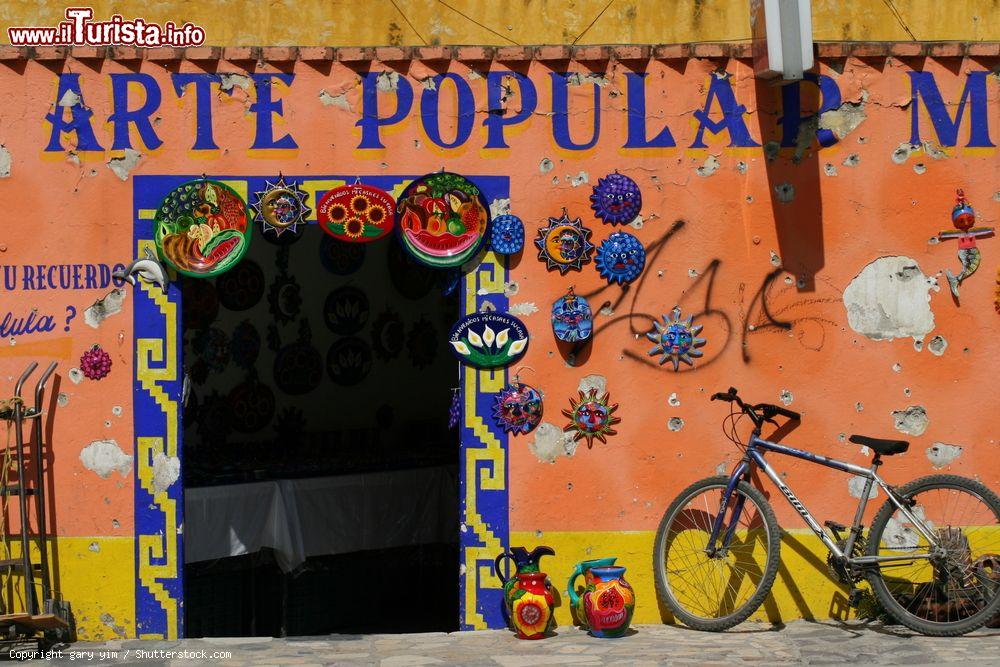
760 412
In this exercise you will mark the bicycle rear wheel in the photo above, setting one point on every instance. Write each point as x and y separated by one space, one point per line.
959 590
719 591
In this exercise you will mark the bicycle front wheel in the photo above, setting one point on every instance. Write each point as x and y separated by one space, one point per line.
716 591
954 588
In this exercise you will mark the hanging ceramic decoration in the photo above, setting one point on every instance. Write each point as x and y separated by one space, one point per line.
621 258
676 339
201 303
201 228
284 298
355 213
572 319
281 210
507 235
298 366
963 217
348 361
455 409
340 258
517 408
388 335
252 404
346 310
211 346
564 244
488 339
241 288
591 417
244 345
422 343
412 280
616 199
443 219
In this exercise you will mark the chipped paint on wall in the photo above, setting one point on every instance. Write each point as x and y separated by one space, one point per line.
105 307
551 442
941 454
912 421
890 298
105 457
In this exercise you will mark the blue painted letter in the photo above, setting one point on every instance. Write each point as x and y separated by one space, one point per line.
560 114
79 118
791 107
923 86
465 110
636 137
203 138
370 120
121 117
732 115
266 108
496 90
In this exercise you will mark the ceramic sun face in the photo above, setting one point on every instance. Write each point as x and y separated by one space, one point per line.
564 244
616 199
676 339
507 235
518 408
591 417
621 258
280 208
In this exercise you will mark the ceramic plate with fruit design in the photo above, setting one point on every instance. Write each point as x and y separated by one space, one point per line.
443 219
202 228
355 213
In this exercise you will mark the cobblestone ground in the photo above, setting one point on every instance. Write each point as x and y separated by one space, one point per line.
797 643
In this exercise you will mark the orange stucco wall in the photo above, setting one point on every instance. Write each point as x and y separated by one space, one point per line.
713 221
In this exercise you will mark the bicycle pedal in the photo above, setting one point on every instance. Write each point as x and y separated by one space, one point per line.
854 598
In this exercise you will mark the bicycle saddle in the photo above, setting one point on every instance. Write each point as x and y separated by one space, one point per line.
881 445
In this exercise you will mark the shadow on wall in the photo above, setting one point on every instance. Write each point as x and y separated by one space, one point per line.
793 173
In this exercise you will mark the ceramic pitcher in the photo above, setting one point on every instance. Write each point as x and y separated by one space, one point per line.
525 562
583 568
609 602
531 605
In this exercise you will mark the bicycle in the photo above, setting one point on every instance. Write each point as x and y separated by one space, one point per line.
932 571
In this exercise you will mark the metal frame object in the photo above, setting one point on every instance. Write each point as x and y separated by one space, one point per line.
754 456
31 600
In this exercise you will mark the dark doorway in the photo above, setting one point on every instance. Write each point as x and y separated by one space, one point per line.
320 474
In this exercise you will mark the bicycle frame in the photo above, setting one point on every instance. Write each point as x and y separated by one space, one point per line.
754 456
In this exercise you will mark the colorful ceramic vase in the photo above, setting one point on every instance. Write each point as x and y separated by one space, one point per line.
609 602
584 568
531 605
525 562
